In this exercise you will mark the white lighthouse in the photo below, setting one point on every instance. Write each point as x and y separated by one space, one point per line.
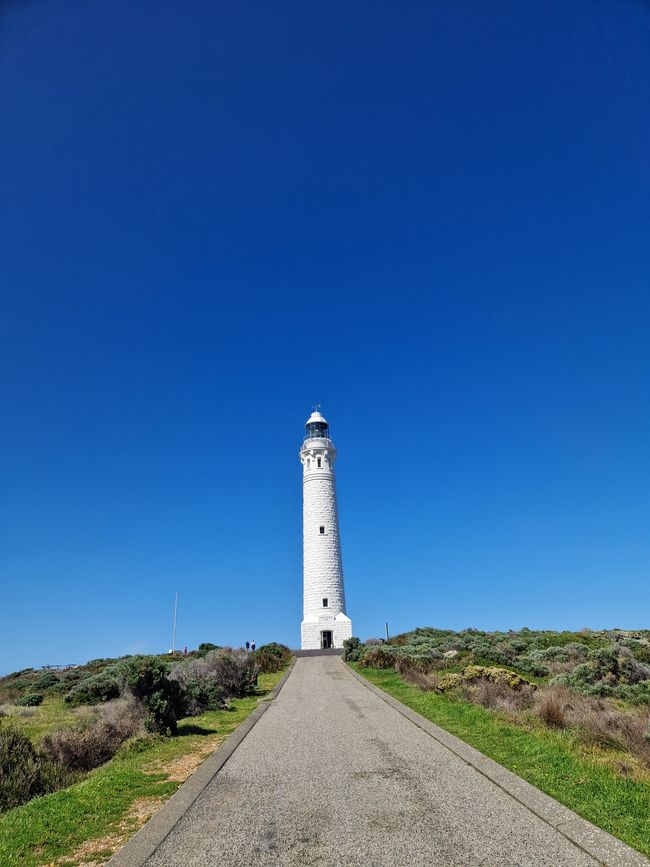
325 623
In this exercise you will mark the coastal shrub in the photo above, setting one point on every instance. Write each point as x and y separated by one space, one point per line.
235 671
19 683
550 706
206 683
637 693
615 661
532 666
46 680
594 720
498 695
147 679
608 671
96 688
571 652
423 661
272 657
377 657
96 744
352 649
475 673
199 687
70 678
32 699
426 682
639 649
205 647
24 773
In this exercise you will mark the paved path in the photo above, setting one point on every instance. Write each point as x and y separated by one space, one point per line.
332 775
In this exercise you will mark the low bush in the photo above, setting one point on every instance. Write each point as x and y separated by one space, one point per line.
595 721
24 773
499 695
19 683
147 679
199 687
636 693
205 647
235 670
426 662
97 688
70 678
639 649
606 663
550 706
474 673
533 666
46 680
426 682
32 699
352 649
90 748
474 681
272 657
206 683
377 657
608 671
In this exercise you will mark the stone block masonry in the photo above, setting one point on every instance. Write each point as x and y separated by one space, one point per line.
325 622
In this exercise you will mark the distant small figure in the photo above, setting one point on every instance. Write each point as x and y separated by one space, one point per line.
248 645
185 651
253 646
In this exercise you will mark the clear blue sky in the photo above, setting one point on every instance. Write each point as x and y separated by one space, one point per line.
432 218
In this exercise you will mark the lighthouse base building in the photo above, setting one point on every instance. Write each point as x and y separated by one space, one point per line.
325 632
325 623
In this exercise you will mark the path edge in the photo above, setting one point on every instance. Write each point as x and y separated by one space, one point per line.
603 847
144 842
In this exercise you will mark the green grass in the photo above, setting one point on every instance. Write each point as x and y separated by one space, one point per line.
550 760
53 714
48 828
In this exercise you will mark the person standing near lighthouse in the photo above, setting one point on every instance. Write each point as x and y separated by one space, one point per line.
325 623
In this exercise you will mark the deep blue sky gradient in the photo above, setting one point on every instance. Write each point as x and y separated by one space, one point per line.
432 218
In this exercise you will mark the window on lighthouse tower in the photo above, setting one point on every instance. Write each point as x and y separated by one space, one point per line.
322 530
318 462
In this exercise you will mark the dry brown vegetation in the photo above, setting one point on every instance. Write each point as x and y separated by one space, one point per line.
498 695
427 682
87 749
593 721
596 721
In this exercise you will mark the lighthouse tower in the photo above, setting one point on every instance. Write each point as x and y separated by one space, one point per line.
325 623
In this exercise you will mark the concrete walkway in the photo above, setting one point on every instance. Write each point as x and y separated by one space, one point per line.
333 775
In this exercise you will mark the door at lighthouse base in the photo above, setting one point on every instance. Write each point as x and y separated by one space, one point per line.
326 639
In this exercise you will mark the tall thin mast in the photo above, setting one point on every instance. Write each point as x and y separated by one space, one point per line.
174 630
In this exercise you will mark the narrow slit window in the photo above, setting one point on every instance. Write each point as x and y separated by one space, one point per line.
324 603
319 462
322 530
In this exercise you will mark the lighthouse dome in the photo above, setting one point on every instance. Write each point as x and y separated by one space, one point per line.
316 417
316 427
